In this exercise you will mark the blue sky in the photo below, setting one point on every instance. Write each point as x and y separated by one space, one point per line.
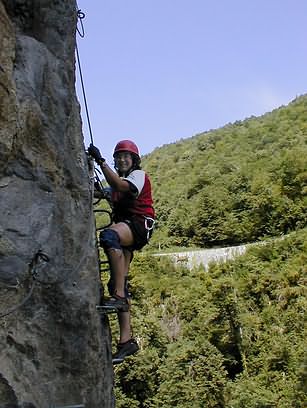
156 71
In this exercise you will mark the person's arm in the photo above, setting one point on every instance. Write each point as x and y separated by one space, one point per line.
111 177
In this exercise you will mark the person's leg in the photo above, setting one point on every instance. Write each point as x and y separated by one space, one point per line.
127 345
112 244
124 317
117 266
119 259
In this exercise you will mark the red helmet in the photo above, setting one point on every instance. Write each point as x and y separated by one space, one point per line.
126 146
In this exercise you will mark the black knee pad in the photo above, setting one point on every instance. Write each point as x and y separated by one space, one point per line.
109 239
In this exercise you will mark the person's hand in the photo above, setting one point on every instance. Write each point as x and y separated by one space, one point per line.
95 153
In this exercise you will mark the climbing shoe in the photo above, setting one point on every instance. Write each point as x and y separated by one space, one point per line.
120 304
124 350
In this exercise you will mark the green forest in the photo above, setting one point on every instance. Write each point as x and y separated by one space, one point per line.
232 336
240 183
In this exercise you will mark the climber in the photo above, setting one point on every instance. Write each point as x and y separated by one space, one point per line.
133 221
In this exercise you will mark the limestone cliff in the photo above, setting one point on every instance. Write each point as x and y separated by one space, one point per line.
54 349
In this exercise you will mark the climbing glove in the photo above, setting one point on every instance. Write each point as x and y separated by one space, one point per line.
95 153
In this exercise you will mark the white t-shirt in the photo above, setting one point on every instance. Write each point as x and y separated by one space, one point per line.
136 178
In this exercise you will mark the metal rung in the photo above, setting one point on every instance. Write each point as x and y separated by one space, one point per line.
104 310
70 406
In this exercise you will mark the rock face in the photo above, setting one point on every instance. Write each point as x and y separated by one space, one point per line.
54 347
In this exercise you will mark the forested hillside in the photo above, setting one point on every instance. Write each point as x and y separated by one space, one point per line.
232 337
236 184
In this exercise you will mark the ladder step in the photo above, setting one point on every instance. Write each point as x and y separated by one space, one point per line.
70 406
106 310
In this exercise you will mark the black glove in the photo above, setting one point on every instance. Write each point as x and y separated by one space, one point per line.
95 153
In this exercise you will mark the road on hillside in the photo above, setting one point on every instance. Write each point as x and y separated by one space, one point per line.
204 257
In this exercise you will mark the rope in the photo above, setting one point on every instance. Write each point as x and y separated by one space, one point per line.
13 309
67 271
80 17
81 32
32 272
97 182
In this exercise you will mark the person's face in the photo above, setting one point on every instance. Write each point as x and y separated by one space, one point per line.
123 161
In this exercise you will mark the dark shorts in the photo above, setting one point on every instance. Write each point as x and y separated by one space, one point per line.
141 228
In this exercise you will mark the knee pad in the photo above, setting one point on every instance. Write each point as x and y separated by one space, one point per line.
109 239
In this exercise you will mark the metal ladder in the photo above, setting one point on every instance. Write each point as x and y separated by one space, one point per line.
99 194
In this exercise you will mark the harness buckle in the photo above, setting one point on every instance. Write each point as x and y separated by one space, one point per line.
149 226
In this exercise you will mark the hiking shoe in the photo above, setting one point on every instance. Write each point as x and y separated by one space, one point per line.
117 303
124 350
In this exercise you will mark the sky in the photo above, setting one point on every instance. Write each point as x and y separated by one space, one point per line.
157 71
